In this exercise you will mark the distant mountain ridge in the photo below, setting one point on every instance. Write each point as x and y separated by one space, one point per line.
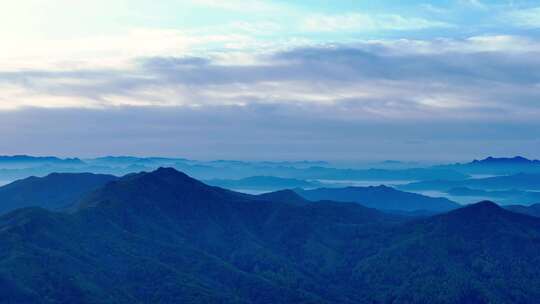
496 166
518 181
532 210
263 183
516 160
219 169
501 196
381 197
26 159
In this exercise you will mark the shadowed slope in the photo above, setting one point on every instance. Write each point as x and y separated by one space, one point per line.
165 237
532 210
54 191
477 254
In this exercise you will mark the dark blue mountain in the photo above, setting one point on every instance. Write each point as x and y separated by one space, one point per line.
509 161
381 197
532 210
54 191
477 254
163 237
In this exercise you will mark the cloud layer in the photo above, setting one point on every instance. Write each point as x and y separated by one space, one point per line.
255 132
244 78
485 78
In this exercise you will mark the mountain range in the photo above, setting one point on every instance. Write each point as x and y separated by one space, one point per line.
26 161
506 197
164 237
60 190
263 183
381 197
496 166
532 210
522 181
22 166
17 167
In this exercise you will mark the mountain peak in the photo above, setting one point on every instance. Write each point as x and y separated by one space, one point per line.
484 205
383 188
504 160
168 171
166 187
478 221
480 211
166 174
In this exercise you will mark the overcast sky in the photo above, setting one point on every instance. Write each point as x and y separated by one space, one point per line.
254 79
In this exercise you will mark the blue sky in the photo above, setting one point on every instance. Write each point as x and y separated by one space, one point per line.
254 79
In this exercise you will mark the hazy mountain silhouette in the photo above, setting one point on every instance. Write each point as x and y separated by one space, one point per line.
532 210
380 197
521 181
517 160
54 191
496 166
25 160
17 167
263 183
512 196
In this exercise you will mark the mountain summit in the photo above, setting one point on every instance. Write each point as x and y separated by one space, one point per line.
517 160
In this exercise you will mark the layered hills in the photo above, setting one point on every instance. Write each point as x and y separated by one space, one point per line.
164 237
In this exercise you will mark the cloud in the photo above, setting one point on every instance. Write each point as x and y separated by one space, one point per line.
431 8
528 18
500 44
421 98
111 51
474 3
273 79
358 22
247 6
255 132
470 79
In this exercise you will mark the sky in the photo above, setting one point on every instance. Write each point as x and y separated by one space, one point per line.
271 80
